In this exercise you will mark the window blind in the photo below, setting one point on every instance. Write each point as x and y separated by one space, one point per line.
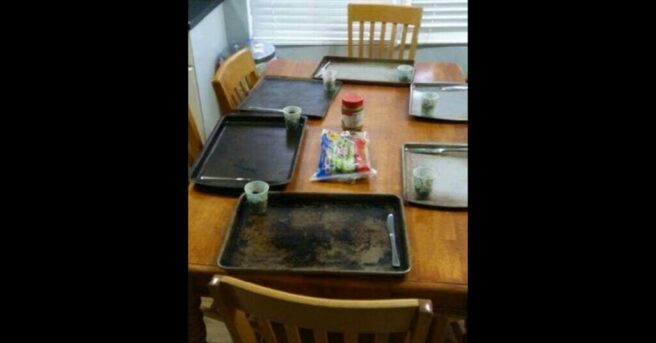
443 21
309 22
314 22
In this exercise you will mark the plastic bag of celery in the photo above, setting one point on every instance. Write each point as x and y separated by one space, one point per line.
344 156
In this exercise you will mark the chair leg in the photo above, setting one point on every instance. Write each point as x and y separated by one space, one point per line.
196 331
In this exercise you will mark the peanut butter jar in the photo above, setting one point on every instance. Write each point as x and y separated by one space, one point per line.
352 112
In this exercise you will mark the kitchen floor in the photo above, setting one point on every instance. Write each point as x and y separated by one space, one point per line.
218 333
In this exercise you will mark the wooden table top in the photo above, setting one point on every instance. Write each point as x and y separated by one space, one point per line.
438 238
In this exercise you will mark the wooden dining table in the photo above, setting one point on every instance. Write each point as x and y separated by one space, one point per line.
437 237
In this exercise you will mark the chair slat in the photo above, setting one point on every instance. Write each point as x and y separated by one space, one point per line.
361 43
350 38
245 86
403 37
392 42
238 94
242 92
293 336
381 46
413 46
320 336
372 28
235 99
267 330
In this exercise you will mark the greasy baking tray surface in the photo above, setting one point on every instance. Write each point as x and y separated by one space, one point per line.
317 233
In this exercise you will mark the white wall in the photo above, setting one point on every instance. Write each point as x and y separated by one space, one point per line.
208 40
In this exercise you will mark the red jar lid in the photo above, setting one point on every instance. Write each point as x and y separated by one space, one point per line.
352 100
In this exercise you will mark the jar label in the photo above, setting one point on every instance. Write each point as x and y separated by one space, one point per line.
354 120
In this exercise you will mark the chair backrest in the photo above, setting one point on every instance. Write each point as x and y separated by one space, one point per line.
384 14
234 79
194 144
286 317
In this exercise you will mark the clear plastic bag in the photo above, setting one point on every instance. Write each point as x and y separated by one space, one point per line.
344 156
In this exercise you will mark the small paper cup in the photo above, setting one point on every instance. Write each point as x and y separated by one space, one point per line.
429 100
423 181
329 78
292 116
257 194
405 72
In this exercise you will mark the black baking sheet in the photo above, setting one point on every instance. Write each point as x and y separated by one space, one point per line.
249 146
278 92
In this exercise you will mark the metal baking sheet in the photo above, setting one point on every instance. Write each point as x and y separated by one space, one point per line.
450 185
364 70
336 233
278 92
250 147
452 104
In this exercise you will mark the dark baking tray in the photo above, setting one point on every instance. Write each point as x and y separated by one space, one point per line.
251 146
385 69
320 233
280 91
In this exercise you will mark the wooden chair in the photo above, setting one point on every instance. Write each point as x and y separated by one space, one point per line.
459 330
234 79
286 317
194 144
384 14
